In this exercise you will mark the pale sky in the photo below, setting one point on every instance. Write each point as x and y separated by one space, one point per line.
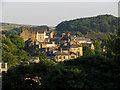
52 13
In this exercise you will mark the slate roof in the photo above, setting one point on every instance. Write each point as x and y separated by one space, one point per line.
95 35
68 46
80 38
75 46
65 38
54 39
65 47
64 53
48 42
61 53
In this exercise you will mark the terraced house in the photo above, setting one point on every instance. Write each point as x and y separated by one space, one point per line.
57 48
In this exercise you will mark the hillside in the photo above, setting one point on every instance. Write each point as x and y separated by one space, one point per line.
18 27
98 24
9 26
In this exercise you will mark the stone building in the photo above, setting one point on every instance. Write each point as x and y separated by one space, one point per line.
65 52
3 67
36 35
34 59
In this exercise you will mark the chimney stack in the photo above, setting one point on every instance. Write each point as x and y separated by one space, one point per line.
68 34
61 49
45 49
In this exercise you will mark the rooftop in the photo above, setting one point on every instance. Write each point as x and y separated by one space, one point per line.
95 35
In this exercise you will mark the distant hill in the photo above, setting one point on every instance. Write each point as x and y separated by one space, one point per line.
9 26
98 24
18 27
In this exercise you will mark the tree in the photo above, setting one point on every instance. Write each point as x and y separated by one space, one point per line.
41 55
88 72
97 46
87 51
12 51
10 32
27 76
9 58
17 40
100 23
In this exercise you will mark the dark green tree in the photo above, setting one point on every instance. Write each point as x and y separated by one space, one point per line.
87 51
17 40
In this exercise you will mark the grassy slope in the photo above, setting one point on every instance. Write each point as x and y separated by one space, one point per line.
9 26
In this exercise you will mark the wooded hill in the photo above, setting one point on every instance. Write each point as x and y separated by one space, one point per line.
98 24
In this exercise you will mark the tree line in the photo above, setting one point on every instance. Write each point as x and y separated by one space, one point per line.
98 24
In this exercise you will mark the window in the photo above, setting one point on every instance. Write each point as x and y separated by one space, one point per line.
40 37
3 65
25 33
25 37
78 49
59 57
72 56
64 57
74 48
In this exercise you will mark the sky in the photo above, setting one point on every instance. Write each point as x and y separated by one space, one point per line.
52 13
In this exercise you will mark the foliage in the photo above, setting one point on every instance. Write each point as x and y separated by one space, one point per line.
101 23
88 72
97 45
25 76
17 41
12 50
111 43
87 51
41 55
43 27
